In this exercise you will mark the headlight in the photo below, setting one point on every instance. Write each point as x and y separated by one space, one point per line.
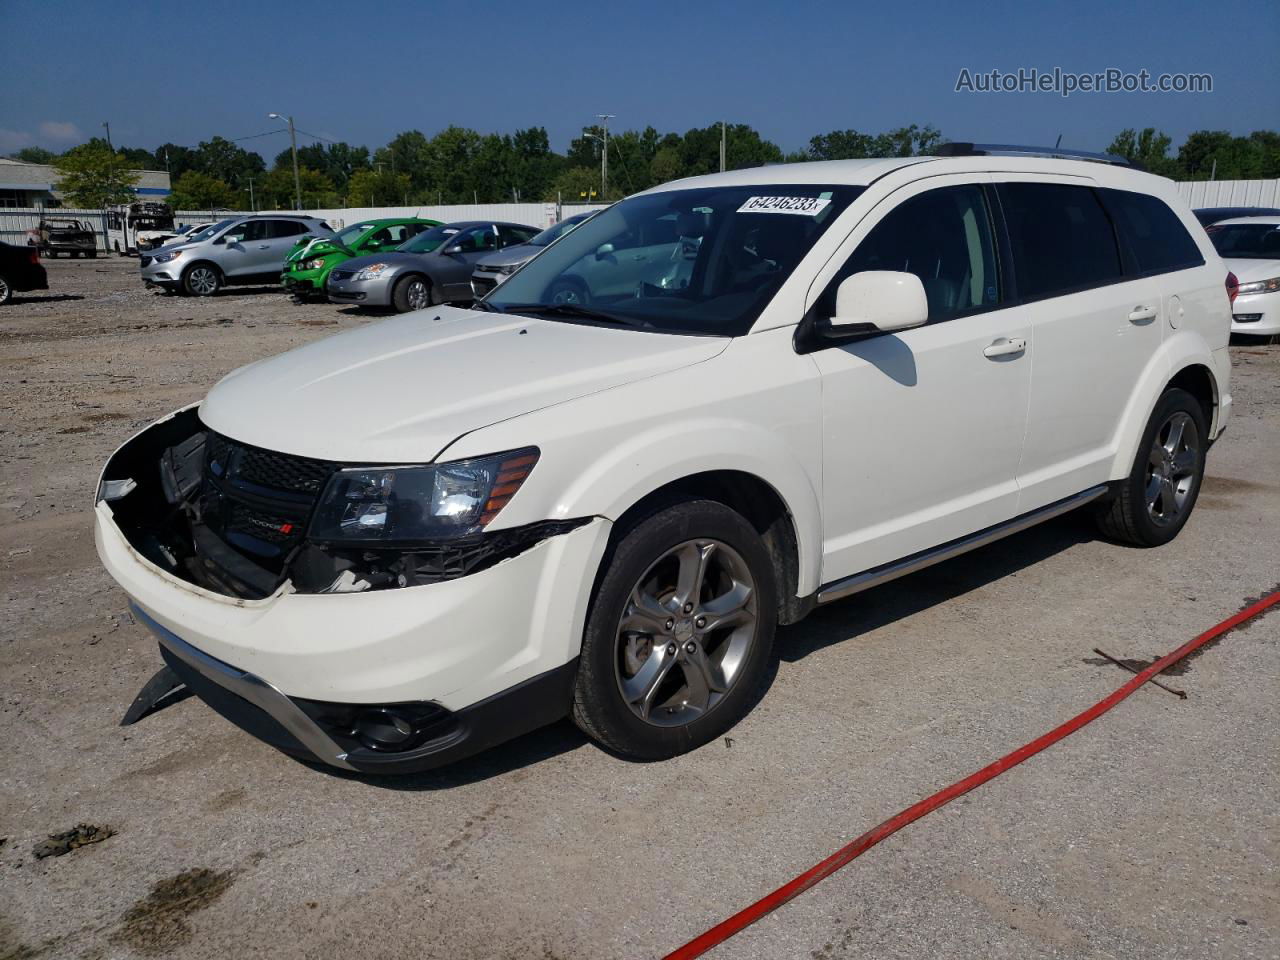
509 267
314 264
166 257
373 271
383 505
1259 286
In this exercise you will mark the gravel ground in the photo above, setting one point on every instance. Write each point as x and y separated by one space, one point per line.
1153 833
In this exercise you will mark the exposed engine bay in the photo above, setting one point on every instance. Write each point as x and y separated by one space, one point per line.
233 519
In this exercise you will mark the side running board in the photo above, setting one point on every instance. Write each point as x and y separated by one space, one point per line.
927 558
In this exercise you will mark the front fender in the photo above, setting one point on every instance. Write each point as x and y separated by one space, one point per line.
1185 348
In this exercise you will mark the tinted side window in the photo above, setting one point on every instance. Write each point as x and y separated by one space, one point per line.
944 237
1154 238
250 230
1062 238
287 228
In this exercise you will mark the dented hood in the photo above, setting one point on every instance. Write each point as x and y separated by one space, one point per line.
403 389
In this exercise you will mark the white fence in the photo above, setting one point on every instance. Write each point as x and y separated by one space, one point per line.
1231 193
17 226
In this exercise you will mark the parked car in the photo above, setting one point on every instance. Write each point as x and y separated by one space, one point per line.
181 234
307 267
1210 215
20 271
434 267
391 548
66 235
496 267
238 250
1251 248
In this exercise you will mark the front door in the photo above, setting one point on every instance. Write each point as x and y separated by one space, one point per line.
923 429
453 270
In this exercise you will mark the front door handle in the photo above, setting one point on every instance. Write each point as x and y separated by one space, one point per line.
1006 347
1142 314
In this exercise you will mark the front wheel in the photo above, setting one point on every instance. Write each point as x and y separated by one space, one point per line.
1155 500
678 639
411 293
571 291
201 280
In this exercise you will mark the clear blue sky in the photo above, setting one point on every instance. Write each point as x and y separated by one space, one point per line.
183 72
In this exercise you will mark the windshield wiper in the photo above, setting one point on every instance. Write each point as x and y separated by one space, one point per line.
570 310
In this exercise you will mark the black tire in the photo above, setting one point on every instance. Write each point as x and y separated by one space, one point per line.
93 254
1131 516
201 280
569 290
408 293
6 290
600 708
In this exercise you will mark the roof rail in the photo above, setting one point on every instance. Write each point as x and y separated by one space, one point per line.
987 149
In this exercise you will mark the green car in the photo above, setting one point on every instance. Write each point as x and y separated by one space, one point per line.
307 267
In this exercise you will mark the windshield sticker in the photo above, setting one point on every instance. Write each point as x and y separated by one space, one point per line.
804 206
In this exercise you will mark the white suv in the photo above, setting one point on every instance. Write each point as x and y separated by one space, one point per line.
413 540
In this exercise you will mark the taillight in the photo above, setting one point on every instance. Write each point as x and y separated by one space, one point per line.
1233 286
35 256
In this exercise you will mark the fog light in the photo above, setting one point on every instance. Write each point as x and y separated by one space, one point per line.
383 729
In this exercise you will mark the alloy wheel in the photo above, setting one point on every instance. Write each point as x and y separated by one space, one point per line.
685 633
418 295
203 281
1171 468
5 291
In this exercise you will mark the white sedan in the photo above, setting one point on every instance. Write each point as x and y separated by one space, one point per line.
1250 246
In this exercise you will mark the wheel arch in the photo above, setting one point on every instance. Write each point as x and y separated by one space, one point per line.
1184 361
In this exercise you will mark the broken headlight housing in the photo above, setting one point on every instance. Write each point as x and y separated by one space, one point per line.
384 506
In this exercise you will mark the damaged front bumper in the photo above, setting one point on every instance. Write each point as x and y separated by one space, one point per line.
471 660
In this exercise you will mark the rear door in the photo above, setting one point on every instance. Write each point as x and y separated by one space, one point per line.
1094 329
281 237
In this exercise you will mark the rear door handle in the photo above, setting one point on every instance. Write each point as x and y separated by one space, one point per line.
1141 314
1006 347
264 246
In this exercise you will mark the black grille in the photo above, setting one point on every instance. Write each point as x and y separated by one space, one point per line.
240 464
261 525
343 274
146 261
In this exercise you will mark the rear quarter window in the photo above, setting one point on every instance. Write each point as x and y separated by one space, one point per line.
1061 236
1152 236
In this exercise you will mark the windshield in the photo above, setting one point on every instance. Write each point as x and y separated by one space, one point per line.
428 241
352 233
556 231
209 232
1247 241
703 261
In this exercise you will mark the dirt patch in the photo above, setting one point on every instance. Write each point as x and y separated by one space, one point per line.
81 835
157 923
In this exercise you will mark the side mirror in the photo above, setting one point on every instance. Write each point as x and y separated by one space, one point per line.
453 250
234 238
604 250
879 301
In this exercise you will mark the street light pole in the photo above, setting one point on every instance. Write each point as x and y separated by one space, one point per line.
293 141
722 146
106 126
252 206
604 156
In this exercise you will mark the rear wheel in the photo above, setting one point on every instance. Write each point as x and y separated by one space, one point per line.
411 293
6 290
1155 500
201 280
678 638
93 254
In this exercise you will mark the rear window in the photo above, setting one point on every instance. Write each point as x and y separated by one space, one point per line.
1247 241
1062 238
1153 237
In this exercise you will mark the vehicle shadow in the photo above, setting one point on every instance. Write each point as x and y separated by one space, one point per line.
51 298
841 622
846 620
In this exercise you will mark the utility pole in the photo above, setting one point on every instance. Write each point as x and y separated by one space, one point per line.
604 156
107 127
293 141
722 144
252 206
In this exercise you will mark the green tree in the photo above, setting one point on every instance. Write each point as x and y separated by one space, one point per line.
175 158
700 149
337 161
276 189
410 153
225 161
199 191
665 165
94 177
1150 148
35 155
575 185
377 188
841 145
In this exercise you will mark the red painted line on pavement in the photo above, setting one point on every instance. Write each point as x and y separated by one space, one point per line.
815 874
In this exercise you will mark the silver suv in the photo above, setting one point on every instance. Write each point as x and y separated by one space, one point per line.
238 250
